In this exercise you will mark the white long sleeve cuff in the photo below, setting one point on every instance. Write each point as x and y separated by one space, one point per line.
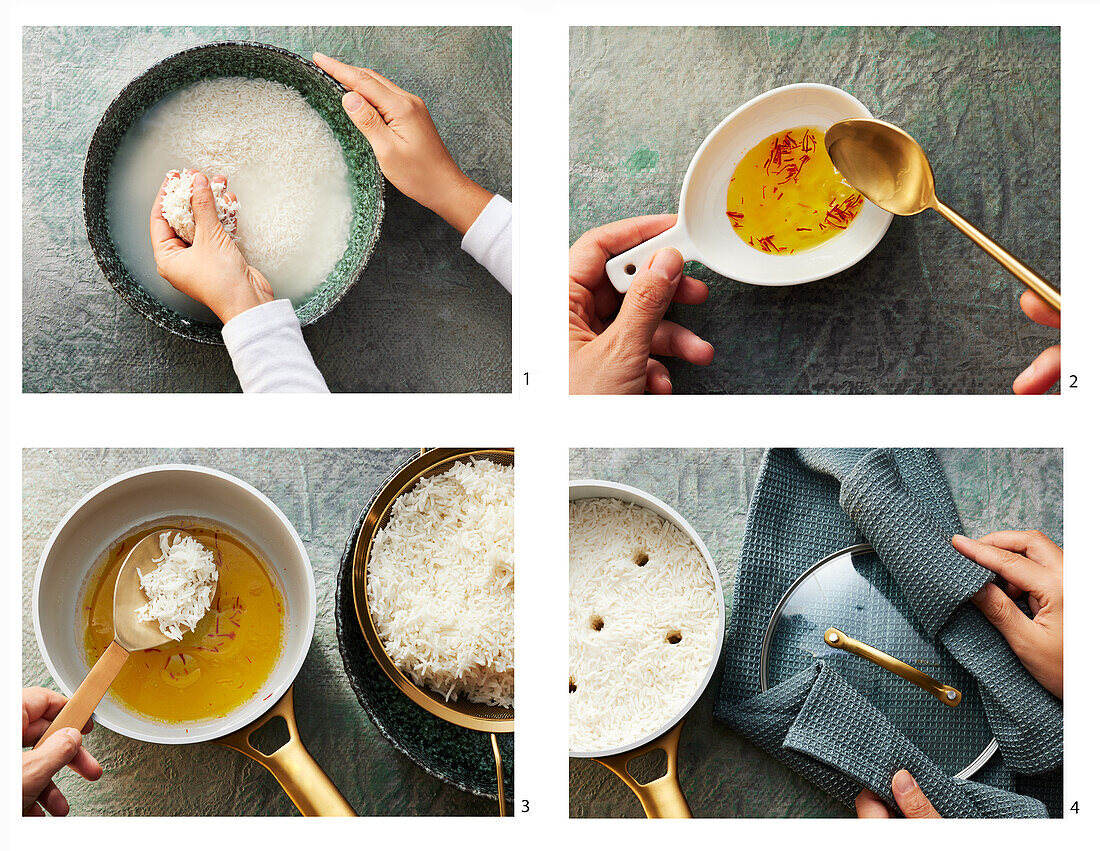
489 240
269 353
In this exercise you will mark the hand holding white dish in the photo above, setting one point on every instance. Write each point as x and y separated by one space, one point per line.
703 232
135 629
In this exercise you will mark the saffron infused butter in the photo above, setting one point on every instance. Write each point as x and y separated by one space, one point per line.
785 195
215 668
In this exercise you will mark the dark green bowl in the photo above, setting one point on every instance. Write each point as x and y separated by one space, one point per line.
232 59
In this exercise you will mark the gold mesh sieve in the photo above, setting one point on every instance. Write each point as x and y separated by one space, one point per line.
463 712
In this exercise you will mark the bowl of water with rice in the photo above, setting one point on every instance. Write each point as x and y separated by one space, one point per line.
308 183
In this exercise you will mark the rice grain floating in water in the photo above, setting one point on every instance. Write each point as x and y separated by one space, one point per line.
643 622
181 586
440 585
283 163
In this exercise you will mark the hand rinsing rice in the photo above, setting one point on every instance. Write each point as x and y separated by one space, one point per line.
440 583
175 207
643 622
181 587
279 155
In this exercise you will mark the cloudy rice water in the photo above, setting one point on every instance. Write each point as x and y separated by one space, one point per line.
283 162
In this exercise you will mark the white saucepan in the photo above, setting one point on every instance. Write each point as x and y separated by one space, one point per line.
141 498
663 797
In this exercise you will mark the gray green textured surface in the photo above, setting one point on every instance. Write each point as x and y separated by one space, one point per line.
322 492
424 317
926 311
723 775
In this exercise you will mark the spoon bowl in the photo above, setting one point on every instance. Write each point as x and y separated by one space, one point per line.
131 635
883 162
890 168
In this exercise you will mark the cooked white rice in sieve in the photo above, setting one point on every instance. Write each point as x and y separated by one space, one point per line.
181 587
643 622
440 583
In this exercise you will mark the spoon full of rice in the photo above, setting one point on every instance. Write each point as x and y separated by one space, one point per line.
163 589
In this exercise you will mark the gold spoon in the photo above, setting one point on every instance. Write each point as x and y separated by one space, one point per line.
131 635
889 167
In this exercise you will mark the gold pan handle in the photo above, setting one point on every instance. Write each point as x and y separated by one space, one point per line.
947 694
304 781
663 797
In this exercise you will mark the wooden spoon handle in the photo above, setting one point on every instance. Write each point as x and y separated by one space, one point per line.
81 705
1031 279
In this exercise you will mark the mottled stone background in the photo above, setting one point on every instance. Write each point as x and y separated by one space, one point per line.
926 311
321 491
424 316
722 773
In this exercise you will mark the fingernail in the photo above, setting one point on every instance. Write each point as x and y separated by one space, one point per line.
200 181
667 381
353 101
1027 373
982 593
904 783
961 538
669 263
71 735
317 53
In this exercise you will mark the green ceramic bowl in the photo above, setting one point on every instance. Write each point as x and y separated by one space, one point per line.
232 59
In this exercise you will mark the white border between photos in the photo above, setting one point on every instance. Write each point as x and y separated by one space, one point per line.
542 422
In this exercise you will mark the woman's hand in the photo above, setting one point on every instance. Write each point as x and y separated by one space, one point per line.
212 270
912 802
619 357
40 793
1046 370
1031 564
409 150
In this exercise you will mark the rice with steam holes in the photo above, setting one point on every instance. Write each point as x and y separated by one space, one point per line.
440 585
643 622
181 587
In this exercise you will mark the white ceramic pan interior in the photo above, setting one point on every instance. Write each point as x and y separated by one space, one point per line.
596 489
702 231
139 498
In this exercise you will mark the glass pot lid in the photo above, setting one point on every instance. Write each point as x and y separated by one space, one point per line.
848 611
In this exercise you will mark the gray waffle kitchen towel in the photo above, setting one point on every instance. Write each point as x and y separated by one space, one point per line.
810 503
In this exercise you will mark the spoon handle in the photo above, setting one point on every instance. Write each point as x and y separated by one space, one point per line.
81 705
1033 281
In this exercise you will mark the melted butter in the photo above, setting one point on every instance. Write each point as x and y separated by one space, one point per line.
785 195
216 668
